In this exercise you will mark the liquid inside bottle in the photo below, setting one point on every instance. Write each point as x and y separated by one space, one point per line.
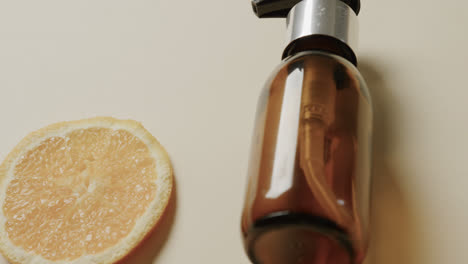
307 198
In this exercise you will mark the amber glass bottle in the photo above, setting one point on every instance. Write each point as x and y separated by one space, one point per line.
307 200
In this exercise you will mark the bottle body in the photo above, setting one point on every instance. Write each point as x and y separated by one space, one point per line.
309 174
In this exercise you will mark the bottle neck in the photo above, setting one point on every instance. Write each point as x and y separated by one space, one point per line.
326 25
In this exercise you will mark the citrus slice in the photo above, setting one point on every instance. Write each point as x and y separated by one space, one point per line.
86 191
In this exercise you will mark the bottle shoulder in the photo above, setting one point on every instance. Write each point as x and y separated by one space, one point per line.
325 66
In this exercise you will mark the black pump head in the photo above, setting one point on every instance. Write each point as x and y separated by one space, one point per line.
281 8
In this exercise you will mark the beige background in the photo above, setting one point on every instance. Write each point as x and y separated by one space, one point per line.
191 72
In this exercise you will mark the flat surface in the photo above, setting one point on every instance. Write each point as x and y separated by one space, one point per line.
191 72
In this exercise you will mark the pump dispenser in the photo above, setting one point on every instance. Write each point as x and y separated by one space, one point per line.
307 199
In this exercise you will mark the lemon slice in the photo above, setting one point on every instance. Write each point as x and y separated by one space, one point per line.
85 191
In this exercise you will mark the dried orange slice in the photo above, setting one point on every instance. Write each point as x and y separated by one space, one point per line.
86 191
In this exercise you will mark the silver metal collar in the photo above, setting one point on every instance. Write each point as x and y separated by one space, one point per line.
323 17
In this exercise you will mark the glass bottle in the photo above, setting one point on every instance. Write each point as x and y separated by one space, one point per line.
307 199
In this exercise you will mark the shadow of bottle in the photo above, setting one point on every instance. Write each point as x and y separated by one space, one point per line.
394 225
148 251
